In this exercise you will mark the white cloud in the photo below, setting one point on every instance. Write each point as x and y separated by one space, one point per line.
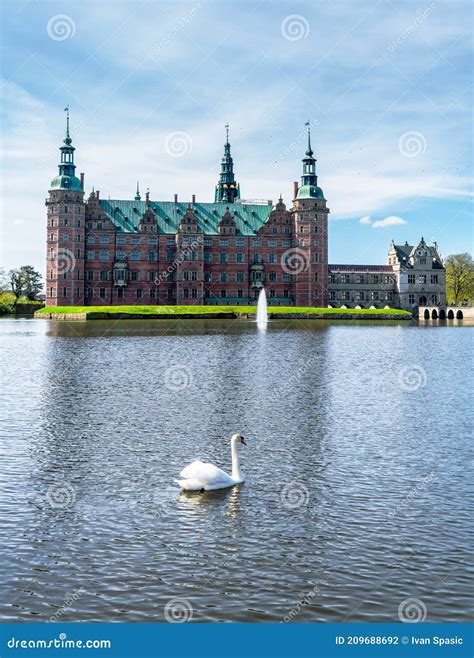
393 220
365 220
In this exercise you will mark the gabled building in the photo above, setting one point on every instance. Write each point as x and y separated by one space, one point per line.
155 251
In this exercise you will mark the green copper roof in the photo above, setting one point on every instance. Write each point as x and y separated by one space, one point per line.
126 215
66 183
310 192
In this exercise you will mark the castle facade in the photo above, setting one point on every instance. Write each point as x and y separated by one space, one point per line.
143 251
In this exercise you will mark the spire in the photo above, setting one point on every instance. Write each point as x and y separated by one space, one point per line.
309 180
66 179
227 190
137 195
309 150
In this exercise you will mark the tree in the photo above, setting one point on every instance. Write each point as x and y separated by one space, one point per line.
25 281
459 278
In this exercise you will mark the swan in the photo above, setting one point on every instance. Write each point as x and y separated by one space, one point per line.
200 476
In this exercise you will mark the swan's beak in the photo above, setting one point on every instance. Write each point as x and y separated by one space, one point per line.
242 440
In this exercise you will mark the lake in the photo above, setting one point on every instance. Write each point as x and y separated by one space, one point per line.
357 504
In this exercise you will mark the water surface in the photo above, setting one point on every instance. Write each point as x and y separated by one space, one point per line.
357 487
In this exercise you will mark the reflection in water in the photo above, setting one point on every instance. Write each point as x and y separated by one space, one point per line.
356 481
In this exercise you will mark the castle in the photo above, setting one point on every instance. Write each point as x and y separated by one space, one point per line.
135 251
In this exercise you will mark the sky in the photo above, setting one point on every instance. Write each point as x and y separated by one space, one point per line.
386 86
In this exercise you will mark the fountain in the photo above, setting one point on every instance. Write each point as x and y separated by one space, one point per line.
262 313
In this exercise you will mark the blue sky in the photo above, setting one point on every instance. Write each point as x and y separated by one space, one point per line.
150 85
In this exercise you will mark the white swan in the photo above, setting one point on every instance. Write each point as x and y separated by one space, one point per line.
200 476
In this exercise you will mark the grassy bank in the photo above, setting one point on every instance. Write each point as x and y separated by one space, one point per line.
215 311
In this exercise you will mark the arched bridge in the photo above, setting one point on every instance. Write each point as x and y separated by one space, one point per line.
445 312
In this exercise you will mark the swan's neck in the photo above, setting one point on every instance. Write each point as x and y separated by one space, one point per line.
236 474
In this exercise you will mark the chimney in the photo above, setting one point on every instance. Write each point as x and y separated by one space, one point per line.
176 198
194 199
82 181
147 197
295 189
97 194
269 202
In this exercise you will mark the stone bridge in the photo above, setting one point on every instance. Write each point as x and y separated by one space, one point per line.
445 312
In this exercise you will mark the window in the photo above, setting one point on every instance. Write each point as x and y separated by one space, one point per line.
223 293
139 293
121 239
434 278
316 258
223 257
286 243
135 239
332 294
422 261
374 296
170 242
207 242
272 293
98 225
316 276
411 278
359 278
345 278
411 298
64 292
151 276
223 277
387 279
272 243
240 277
422 278
207 277
194 293
135 255
104 275
360 295
272 276
345 295
90 255
90 239
239 242
331 278
102 293
169 256
185 275
193 275
316 229
434 298
257 258
152 256
152 293
152 241
65 236
103 254
104 239
256 243
239 257
240 293
286 293
388 296
315 243
375 278
90 275
134 275
224 242
207 257
271 258
120 293
286 277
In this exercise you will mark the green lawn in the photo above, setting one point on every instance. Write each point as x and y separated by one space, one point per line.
201 310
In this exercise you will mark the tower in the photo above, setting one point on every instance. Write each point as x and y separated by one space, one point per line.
65 232
309 259
227 190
